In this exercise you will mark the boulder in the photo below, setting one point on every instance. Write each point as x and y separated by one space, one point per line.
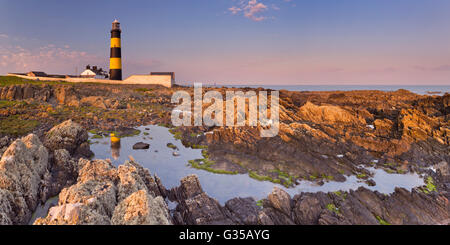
73 214
23 168
140 208
280 200
141 146
243 210
195 207
70 136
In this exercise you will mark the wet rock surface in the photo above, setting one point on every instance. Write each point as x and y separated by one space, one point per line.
141 146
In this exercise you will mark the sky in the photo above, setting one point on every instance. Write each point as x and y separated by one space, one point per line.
276 42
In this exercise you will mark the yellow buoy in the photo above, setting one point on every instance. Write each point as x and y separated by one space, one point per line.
114 139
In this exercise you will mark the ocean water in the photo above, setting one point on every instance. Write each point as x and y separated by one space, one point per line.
422 90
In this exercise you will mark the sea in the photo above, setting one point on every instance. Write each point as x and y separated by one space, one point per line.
422 90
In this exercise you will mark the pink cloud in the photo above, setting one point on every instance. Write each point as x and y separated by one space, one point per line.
252 9
50 58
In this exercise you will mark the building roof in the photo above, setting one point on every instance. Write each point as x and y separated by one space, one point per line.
88 72
38 73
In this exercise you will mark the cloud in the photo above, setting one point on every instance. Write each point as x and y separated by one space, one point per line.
444 67
3 35
49 58
235 10
251 9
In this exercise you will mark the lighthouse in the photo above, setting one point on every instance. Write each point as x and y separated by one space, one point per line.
115 60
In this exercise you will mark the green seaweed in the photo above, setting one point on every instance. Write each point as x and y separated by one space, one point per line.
332 208
17 125
382 221
430 186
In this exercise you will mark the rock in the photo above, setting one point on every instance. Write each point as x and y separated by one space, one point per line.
23 168
243 210
307 210
195 207
65 95
72 214
175 154
443 168
100 102
104 194
141 146
280 200
328 114
190 187
132 178
172 146
64 170
371 182
140 208
67 135
416 125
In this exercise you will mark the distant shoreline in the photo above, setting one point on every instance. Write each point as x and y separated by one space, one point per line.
418 89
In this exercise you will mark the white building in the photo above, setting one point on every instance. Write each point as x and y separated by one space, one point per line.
94 73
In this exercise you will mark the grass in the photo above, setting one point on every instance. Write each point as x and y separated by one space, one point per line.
194 146
259 203
287 179
430 186
206 164
256 176
7 103
166 125
142 90
327 177
176 134
382 221
361 176
332 208
194 135
338 193
16 125
11 80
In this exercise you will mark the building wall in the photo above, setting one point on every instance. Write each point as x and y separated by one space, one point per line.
134 79
165 80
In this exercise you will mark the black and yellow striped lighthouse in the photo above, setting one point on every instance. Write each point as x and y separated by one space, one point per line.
115 60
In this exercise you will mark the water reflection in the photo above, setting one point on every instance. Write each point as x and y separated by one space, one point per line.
115 150
159 160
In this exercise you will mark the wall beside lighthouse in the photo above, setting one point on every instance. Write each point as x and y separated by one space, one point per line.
164 80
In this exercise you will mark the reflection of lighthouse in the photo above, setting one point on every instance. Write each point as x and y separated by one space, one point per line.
115 146
115 151
115 61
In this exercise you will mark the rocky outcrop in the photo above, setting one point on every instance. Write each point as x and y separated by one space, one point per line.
141 146
104 194
23 179
26 91
69 136
362 207
140 208
100 102
195 207
327 114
